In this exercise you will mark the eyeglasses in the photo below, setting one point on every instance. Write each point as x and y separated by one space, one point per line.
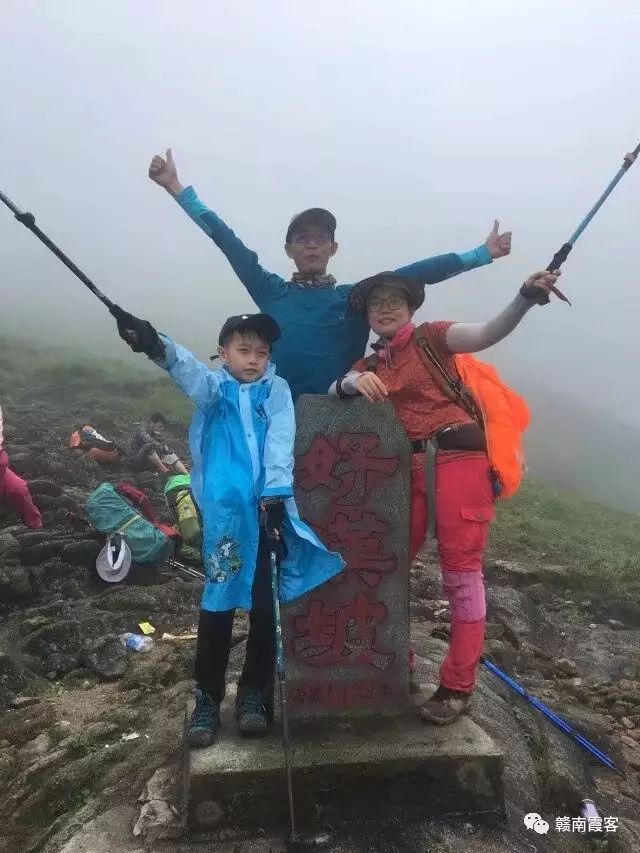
307 239
391 302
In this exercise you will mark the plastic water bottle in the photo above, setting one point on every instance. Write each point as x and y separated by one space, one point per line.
136 642
588 809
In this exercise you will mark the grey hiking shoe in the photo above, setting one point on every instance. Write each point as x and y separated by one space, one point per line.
251 712
445 706
205 721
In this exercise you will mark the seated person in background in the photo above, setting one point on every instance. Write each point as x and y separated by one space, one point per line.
15 492
87 441
149 451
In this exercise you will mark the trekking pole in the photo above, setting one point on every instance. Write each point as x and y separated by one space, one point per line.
557 721
29 221
177 566
563 252
274 548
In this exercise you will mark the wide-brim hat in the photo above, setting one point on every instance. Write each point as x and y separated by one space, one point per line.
360 292
114 561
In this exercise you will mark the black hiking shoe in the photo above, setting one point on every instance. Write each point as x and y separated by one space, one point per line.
445 706
205 721
252 713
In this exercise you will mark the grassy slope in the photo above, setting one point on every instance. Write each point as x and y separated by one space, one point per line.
600 544
597 543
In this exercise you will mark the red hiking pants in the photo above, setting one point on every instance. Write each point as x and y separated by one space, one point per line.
464 511
15 492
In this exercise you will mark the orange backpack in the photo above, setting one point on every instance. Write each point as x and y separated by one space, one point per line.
502 413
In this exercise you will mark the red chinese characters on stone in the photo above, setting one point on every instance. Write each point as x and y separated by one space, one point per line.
335 632
348 466
333 694
342 635
358 534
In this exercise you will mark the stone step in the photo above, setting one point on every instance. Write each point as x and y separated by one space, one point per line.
370 765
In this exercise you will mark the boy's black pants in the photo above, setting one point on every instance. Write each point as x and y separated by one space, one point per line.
214 638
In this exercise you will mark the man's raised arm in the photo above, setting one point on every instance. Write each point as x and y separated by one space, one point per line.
260 283
442 267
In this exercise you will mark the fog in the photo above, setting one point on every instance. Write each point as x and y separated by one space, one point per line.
416 123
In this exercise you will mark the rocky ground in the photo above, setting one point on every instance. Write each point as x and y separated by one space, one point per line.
90 735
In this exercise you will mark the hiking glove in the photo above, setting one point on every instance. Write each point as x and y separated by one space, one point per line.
138 334
274 514
537 287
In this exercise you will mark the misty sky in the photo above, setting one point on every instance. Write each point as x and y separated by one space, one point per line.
417 123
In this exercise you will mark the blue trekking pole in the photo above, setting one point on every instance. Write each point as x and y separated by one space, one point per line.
563 252
557 721
275 547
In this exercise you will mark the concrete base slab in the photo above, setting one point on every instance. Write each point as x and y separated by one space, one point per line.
342 768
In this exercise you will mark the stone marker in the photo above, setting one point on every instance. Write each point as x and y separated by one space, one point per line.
347 642
347 646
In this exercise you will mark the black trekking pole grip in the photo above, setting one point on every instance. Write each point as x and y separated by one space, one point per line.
29 221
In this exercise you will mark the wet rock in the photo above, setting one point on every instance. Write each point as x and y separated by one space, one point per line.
567 667
21 725
106 657
503 654
57 569
34 555
589 723
24 464
161 786
46 502
9 546
154 816
25 701
15 584
615 624
522 618
59 644
626 611
45 487
83 553
10 432
619 709
538 592
13 678
563 770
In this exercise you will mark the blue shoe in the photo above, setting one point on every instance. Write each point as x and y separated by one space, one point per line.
205 721
251 712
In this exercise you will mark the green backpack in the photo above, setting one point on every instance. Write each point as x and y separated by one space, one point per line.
110 513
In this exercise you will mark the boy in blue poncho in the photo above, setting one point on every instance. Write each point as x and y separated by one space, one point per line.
241 439
323 335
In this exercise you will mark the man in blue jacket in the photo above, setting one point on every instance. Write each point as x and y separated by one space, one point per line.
322 335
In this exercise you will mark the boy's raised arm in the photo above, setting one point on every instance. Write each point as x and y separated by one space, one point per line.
193 377
190 375
244 261
442 267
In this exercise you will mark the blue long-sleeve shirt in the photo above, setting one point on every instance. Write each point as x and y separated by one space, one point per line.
321 336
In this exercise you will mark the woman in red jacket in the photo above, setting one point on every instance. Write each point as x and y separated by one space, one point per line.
462 488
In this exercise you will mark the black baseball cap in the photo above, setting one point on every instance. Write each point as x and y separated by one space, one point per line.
360 292
263 324
313 216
